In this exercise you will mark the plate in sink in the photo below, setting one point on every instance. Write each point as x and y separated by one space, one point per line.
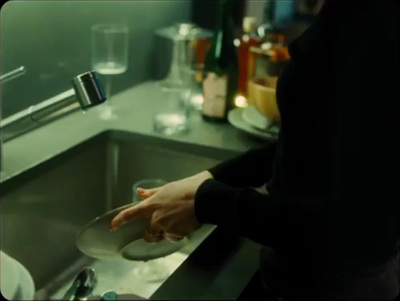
127 243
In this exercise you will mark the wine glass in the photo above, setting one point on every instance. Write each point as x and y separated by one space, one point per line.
109 54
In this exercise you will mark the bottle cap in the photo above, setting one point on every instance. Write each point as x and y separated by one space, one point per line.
249 24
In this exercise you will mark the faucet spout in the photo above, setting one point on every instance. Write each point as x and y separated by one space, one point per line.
87 93
88 90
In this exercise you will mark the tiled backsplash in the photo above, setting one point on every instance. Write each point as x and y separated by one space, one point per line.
52 39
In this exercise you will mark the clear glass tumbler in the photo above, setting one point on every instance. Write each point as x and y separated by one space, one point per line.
109 54
172 112
110 48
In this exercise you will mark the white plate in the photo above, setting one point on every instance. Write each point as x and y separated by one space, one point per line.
26 290
235 118
9 276
16 282
127 243
253 117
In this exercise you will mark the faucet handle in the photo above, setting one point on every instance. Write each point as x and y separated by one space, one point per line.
83 285
88 90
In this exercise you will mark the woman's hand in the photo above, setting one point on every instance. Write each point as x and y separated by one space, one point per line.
169 208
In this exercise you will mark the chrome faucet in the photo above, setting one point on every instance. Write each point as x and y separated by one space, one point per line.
5 78
83 285
86 92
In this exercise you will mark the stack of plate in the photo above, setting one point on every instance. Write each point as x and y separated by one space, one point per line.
251 121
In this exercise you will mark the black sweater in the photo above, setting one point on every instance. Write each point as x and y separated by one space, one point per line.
333 172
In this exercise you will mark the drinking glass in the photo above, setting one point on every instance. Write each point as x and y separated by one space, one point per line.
172 112
154 270
109 52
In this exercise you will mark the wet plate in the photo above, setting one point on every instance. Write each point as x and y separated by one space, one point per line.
127 243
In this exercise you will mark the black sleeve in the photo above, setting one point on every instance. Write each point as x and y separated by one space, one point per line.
266 219
250 169
363 203
315 224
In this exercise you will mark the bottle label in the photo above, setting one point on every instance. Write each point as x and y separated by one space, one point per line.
215 90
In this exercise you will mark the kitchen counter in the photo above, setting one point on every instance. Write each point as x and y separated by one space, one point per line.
218 268
134 109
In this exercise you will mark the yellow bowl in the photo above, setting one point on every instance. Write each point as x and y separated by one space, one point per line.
261 94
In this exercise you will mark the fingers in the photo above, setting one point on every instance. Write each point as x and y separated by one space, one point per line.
153 234
136 211
146 193
172 237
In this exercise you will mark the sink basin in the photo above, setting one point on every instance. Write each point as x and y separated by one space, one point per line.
43 208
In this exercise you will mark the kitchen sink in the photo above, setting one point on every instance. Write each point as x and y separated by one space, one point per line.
43 208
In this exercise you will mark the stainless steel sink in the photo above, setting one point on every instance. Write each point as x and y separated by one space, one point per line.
43 208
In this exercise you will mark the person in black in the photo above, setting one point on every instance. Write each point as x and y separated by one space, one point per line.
330 220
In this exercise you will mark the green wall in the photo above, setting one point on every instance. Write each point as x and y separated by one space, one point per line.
52 39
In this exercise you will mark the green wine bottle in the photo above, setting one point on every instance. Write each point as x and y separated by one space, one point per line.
221 69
